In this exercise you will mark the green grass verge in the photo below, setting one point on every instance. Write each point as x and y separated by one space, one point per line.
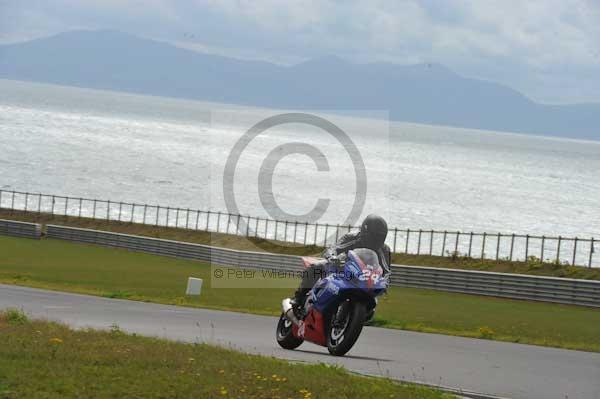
89 269
48 360
533 266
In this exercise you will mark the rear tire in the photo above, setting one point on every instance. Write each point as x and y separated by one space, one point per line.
284 334
342 334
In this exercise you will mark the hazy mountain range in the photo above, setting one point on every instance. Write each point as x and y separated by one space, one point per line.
422 93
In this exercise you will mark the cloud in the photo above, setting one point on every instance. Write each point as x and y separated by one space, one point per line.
546 40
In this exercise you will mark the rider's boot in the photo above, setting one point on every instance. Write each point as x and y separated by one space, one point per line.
299 300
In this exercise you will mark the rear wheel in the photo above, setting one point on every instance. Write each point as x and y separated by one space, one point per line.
285 336
345 326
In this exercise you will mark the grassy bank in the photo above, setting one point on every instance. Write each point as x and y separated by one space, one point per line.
48 360
88 269
532 266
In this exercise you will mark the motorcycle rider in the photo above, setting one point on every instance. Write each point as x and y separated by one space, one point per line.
372 234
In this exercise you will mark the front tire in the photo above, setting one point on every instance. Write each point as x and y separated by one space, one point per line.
284 334
344 331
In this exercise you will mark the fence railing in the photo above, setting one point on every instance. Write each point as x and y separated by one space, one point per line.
516 286
499 246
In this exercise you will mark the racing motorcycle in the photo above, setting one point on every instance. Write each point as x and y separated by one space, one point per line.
337 306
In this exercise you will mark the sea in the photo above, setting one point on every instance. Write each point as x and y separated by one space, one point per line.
320 165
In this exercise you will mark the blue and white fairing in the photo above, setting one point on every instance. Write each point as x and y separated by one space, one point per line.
362 275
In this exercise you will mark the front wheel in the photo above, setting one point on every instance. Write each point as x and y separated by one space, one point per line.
285 336
345 326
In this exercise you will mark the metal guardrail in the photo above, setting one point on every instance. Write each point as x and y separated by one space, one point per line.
516 286
20 229
498 246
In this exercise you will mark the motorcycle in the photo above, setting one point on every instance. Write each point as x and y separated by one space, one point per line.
337 306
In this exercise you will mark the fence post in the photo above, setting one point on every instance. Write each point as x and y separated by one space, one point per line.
208 220
0 198
26 201
295 229
526 247
66 206
326 232
483 245
39 203
228 222
276 228
574 251
94 210
456 242
218 221
407 237
337 230
512 246
316 229
498 247
176 217
12 202
591 251
197 218
558 250
470 243
266 228
419 242
444 243
157 215
132 213
120 209
248 227
145 212
167 221
237 225
542 251
431 243
187 219
285 231
305 231
395 237
256 227
108 210
80 206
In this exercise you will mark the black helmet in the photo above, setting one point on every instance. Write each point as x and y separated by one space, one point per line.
373 231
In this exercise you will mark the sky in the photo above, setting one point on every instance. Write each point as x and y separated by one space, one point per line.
547 49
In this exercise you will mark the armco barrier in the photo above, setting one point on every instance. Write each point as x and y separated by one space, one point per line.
516 286
20 229
205 253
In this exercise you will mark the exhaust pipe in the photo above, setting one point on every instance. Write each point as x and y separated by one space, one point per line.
288 311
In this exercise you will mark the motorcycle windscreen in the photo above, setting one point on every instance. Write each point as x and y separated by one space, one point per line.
367 259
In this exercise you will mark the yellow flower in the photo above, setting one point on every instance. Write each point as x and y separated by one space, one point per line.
221 371
223 391
56 341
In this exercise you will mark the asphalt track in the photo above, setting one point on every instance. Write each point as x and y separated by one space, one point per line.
494 368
